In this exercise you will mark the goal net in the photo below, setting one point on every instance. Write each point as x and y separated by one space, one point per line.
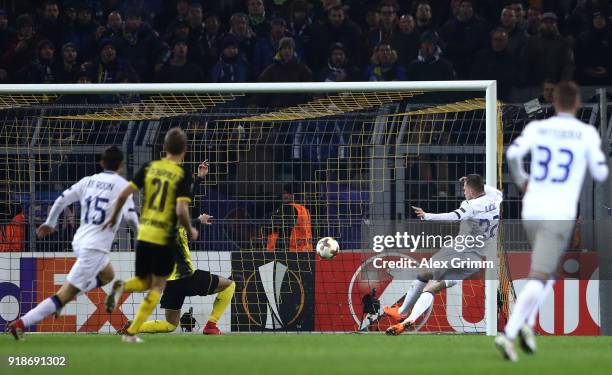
355 156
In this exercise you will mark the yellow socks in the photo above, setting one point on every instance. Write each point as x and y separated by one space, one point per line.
146 308
135 284
223 299
157 326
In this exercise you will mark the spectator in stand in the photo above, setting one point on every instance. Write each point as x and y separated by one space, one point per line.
372 33
594 53
67 70
195 20
462 37
516 36
50 24
534 20
547 55
83 33
140 45
113 28
423 17
182 10
285 68
41 69
300 22
496 63
406 40
548 89
338 68
210 43
335 29
258 19
231 67
429 66
519 12
266 47
388 19
7 36
384 65
387 12
70 16
108 67
580 18
239 27
178 68
23 48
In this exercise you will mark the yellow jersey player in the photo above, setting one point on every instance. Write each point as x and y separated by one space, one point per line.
167 193
186 281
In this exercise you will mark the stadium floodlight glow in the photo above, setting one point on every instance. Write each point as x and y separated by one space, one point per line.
491 118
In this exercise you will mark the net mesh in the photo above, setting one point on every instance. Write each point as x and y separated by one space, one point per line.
355 161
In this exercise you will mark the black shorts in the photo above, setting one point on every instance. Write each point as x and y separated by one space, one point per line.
201 283
153 259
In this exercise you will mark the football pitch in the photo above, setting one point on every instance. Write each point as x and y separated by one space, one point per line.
305 354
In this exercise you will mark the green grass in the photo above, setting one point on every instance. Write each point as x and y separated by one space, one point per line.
308 354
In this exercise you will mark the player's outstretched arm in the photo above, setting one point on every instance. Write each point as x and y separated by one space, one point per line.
449 216
69 196
121 199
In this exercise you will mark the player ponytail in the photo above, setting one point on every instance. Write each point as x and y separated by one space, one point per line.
111 158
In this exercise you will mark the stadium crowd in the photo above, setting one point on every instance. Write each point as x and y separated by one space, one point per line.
518 43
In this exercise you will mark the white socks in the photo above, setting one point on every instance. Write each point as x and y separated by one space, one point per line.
526 303
422 304
547 288
413 293
41 311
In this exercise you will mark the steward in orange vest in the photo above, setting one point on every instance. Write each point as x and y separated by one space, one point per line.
291 223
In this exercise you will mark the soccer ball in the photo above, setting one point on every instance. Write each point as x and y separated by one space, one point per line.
327 248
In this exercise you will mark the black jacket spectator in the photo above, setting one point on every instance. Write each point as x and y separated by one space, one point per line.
108 67
83 33
335 29
239 27
497 64
547 55
462 37
210 42
429 66
231 67
517 37
179 68
139 45
406 40
50 25
41 69
338 68
594 53
67 70
23 48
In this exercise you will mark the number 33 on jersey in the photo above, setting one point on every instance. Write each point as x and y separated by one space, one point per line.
561 148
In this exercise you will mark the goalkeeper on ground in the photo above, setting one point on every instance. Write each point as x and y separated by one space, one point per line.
186 281
479 216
